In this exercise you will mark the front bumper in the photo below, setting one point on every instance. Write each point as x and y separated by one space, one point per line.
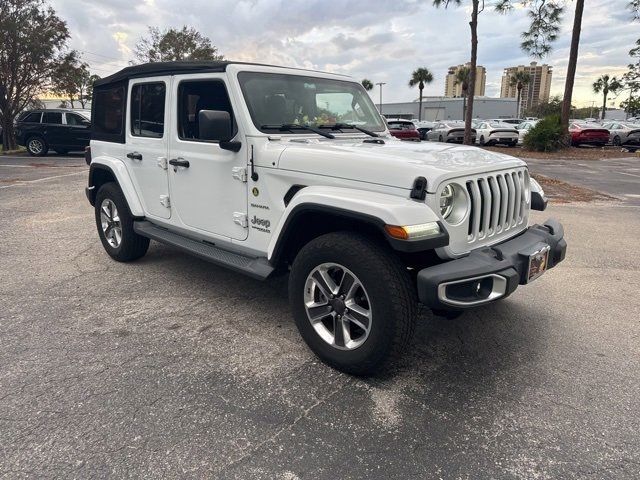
491 273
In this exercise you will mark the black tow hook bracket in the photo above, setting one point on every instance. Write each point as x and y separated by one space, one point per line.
377 141
419 189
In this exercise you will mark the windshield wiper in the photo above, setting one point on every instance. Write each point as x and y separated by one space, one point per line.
341 126
294 126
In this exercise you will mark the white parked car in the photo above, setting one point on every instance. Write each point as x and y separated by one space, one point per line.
523 128
491 132
271 170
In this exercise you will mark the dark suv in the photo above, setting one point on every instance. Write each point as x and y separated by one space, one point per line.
62 130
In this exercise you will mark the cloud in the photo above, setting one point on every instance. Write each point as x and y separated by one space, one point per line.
380 40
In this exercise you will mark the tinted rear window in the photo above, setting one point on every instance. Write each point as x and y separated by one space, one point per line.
108 113
52 117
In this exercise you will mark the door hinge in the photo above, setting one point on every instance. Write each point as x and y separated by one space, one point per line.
164 201
239 173
162 163
241 219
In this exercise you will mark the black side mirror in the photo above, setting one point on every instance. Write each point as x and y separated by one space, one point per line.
216 125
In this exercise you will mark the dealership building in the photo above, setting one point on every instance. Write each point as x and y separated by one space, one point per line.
446 108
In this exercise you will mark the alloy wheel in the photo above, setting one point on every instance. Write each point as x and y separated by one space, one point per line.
36 146
110 222
338 306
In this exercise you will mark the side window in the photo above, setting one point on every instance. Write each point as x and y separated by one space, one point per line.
75 119
54 118
197 95
147 110
33 117
108 112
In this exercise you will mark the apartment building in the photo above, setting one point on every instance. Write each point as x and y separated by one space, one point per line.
538 89
453 89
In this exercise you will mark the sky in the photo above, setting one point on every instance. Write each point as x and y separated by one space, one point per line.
383 41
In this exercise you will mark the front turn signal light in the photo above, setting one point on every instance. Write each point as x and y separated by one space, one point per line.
413 232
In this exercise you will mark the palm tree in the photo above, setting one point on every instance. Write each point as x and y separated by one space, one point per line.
420 77
462 78
606 84
367 84
519 79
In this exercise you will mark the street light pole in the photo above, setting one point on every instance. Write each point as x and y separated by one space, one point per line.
380 84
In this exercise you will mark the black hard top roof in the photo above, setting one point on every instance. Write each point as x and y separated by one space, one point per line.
172 68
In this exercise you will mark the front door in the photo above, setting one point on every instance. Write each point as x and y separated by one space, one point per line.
146 147
77 130
205 195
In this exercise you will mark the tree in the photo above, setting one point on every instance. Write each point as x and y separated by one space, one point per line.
606 84
419 77
571 70
631 106
543 30
367 84
519 79
174 45
461 77
544 109
33 38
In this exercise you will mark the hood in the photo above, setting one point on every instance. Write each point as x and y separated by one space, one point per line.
394 163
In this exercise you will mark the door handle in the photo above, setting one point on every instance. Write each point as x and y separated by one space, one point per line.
179 162
134 156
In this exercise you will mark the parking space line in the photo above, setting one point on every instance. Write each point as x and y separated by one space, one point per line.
18 166
26 182
630 174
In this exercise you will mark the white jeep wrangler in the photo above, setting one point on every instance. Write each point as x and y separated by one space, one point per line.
270 170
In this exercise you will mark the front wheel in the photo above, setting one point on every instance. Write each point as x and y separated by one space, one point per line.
481 140
353 302
115 225
616 141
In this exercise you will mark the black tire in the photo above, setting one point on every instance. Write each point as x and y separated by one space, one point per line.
440 138
37 146
616 141
513 144
481 140
390 291
132 246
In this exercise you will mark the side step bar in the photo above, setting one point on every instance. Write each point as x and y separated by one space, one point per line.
258 268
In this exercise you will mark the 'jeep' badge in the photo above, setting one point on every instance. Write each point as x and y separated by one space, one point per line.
261 224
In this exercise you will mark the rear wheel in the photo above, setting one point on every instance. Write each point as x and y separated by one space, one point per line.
37 146
616 141
440 139
353 302
115 225
481 139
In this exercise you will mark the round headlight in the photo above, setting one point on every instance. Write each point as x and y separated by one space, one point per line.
453 203
446 201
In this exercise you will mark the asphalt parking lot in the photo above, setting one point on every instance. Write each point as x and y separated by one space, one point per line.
171 367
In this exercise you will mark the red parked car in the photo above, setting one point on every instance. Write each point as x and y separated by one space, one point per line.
403 129
588 134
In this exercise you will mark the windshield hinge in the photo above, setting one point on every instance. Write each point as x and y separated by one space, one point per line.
239 173
241 219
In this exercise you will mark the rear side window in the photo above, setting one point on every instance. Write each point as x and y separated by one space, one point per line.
147 110
52 117
33 117
108 113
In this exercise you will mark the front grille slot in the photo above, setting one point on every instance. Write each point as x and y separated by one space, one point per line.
498 204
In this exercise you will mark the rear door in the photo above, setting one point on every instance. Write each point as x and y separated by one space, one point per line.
148 118
77 130
205 195
53 129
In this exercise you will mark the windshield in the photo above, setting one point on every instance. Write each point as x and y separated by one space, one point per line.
276 100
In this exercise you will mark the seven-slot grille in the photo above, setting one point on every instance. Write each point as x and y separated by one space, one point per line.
498 203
